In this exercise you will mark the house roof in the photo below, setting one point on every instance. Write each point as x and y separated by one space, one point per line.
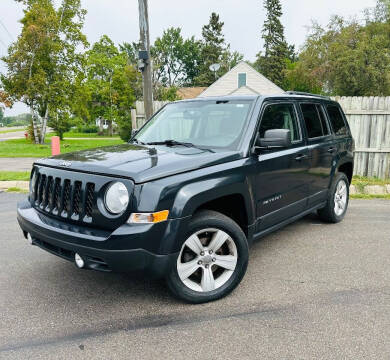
228 83
190 92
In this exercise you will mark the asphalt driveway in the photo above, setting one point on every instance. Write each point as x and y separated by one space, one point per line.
312 291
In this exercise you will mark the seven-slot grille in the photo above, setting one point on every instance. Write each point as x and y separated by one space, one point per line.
64 197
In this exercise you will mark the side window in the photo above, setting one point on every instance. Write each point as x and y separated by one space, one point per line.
280 116
313 121
337 120
324 122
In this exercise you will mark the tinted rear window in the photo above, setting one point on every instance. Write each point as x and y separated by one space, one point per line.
337 120
312 121
324 122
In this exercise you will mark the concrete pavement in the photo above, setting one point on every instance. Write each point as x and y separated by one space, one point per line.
16 164
312 291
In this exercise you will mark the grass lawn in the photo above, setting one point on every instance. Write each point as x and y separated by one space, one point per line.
370 197
361 181
14 175
17 190
24 148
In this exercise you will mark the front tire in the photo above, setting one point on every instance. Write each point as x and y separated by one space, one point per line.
338 199
212 261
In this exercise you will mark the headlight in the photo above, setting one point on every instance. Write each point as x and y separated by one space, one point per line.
116 198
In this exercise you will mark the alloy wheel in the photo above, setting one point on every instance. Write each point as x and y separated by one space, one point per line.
207 260
340 198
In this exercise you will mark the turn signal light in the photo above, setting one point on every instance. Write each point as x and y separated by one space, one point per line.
148 218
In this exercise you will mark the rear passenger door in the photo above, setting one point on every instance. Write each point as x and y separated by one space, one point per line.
321 150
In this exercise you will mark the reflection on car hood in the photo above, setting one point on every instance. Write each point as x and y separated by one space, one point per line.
141 163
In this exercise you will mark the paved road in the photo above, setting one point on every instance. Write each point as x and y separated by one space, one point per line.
18 133
312 291
12 135
16 164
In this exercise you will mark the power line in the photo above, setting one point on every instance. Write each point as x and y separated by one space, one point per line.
5 28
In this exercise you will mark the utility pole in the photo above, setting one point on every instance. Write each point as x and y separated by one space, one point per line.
145 59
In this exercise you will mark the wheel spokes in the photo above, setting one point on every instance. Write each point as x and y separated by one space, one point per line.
208 281
194 244
214 250
185 270
227 262
341 204
343 190
218 240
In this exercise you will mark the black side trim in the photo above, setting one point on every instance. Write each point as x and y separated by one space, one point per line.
288 221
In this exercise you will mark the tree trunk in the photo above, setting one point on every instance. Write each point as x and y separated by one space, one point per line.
44 124
110 132
35 126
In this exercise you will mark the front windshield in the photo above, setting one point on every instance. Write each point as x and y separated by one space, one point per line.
202 123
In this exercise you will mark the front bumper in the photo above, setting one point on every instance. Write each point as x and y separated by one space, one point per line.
117 251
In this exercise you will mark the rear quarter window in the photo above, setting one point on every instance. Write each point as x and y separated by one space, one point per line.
337 120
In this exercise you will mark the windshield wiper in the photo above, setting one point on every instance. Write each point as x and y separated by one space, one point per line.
179 143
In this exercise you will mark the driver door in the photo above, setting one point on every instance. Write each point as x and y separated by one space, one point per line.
282 176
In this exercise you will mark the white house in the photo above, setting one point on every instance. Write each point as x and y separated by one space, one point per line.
243 79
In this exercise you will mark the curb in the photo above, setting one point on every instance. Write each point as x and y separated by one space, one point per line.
370 190
5 185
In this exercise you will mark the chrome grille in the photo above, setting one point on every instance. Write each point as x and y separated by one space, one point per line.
57 196
89 199
77 198
66 198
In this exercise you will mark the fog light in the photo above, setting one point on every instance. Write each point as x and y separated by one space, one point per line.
79 261
29 239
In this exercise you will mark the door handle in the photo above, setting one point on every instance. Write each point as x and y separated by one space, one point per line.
331 150
301 157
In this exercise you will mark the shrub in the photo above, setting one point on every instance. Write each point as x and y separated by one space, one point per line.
87 129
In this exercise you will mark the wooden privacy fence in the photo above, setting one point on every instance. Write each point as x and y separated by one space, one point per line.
139 112
369 119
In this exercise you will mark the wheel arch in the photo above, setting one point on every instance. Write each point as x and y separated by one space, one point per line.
227 197
347 169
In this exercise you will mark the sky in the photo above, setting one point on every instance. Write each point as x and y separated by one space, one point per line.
243 21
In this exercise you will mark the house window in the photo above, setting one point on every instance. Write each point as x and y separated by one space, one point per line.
241 79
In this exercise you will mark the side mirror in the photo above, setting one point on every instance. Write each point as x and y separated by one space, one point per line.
276 138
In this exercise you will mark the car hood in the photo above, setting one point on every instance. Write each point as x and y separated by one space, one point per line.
140 163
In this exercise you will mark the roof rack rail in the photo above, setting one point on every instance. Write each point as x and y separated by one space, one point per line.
307 94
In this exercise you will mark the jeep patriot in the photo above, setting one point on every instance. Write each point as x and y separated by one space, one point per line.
189 193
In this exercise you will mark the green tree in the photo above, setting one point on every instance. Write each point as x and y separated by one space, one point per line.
229 59
347 58
297 78
110 79
212 49
380 13
131 50
272 62
42 63
176 59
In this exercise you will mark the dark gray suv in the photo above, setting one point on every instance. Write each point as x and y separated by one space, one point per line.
192 190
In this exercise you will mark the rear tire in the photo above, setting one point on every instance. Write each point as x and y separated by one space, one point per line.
338 199
212 261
